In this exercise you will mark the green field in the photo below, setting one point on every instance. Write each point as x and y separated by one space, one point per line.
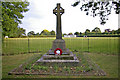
103 45
107 45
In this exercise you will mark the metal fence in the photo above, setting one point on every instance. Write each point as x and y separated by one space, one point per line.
107 45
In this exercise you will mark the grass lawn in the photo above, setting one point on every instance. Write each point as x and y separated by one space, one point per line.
108 63
107 59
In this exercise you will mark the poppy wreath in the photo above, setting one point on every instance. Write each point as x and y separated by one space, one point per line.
55 51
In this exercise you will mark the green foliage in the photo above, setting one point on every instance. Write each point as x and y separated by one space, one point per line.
64 34
113 32
99 8
76 33
28 67
45 32
31 33
11 15
38 36
52 32
37 33
56 68
80 33
87 31
39 67
20 32
117 31
70 33
96 30
67 69
43 67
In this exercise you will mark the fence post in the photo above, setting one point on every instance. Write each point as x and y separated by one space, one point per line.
28 46
88 44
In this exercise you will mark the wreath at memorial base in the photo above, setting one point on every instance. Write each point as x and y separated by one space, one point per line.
58 51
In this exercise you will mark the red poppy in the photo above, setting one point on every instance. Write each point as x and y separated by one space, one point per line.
58 51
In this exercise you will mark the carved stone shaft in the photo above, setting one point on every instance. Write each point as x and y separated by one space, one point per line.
58 11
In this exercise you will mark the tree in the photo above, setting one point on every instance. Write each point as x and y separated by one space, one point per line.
96 30
37 33
31 33
76 33
107 30
21 32
64 34
115 32
112 32
45 32
12 13
87 31
99 8
118 31
70 34
80 33
52 32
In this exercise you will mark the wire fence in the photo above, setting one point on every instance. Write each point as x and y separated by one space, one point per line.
106 45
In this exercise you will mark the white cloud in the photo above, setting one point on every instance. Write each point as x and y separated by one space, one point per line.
40 16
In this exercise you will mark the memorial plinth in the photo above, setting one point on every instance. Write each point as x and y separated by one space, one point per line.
59 52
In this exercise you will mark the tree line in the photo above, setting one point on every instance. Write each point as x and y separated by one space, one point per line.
96 32
45 32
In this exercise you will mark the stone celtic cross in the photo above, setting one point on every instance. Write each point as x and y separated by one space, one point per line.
58 46
58 11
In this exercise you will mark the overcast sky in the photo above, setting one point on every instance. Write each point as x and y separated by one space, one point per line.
40 17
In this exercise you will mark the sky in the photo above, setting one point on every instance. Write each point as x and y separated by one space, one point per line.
40 16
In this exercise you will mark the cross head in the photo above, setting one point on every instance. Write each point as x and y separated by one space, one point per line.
58 10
